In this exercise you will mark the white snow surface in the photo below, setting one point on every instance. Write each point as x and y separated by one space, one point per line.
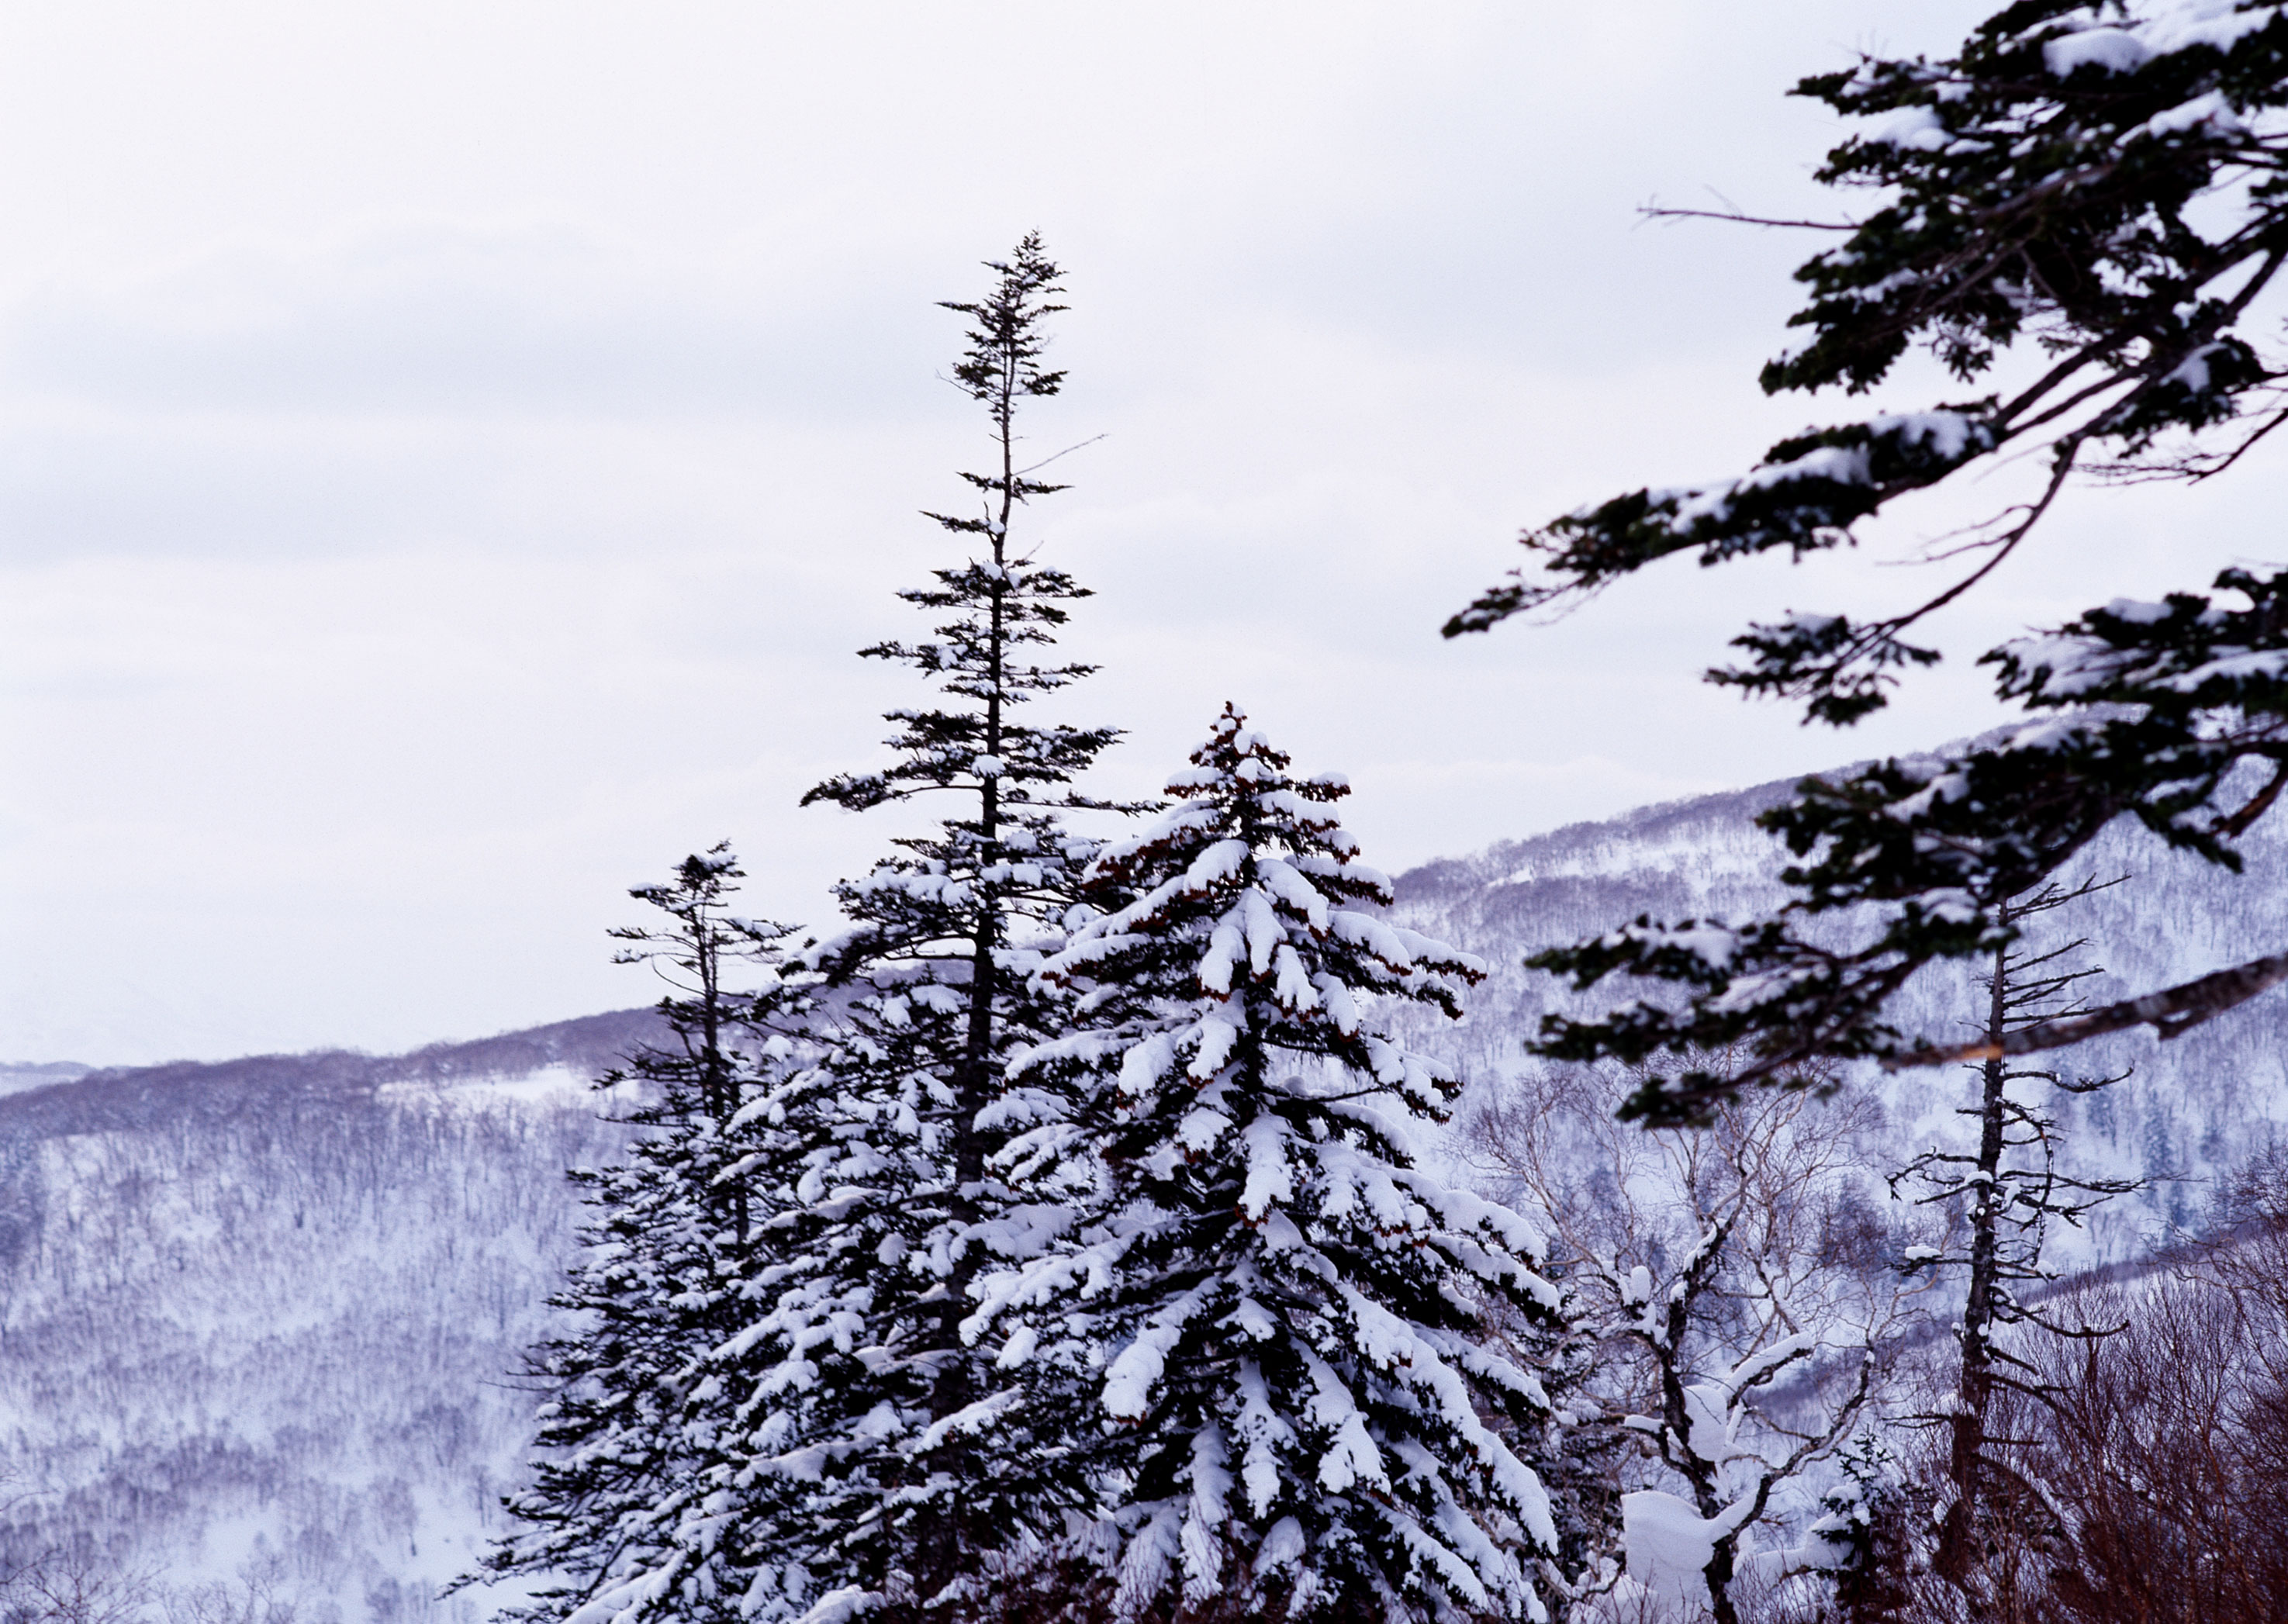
2120 45
269 1319
1669 1544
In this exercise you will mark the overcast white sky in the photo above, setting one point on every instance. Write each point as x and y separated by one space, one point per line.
448 452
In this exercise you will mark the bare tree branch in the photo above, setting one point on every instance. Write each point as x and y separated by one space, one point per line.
1653 212
2170 1013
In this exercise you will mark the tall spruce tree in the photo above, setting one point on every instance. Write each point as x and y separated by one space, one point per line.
913 1465
1270 1317
619 1462
2084 209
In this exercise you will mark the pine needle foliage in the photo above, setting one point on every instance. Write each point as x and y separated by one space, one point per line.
1270 1318
2084 209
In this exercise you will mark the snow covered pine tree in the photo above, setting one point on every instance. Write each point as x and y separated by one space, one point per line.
1279 1311
2102 189
619 1460
868 1459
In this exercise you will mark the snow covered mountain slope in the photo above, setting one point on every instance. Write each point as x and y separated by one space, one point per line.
2196 1107
266 1314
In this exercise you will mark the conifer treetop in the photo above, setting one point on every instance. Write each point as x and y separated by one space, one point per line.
999 605
706 938
1246 878
1002 367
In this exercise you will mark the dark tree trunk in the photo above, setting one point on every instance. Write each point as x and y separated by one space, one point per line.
1958 1542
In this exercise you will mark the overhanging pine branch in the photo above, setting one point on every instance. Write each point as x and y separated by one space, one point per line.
2170 1013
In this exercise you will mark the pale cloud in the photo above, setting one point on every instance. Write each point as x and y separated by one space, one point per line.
448 454
454 323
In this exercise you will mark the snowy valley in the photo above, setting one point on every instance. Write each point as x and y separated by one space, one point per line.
2192 1110
263 1318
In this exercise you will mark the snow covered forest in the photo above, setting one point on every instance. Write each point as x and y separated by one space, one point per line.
1861 1198
265 1319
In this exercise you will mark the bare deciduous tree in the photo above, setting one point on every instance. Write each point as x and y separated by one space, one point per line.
1734 1277
2163 1450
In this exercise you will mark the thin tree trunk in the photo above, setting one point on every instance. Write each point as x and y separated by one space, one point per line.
1677 1415
948 1544
1958 1543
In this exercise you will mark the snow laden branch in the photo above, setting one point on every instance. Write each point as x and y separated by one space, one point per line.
999 607
2173 715
2099 187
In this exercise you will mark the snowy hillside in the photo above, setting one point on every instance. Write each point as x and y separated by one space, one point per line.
2195 1108
259 1317
268 1312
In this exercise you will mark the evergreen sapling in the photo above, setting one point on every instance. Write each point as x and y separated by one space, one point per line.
624 1448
